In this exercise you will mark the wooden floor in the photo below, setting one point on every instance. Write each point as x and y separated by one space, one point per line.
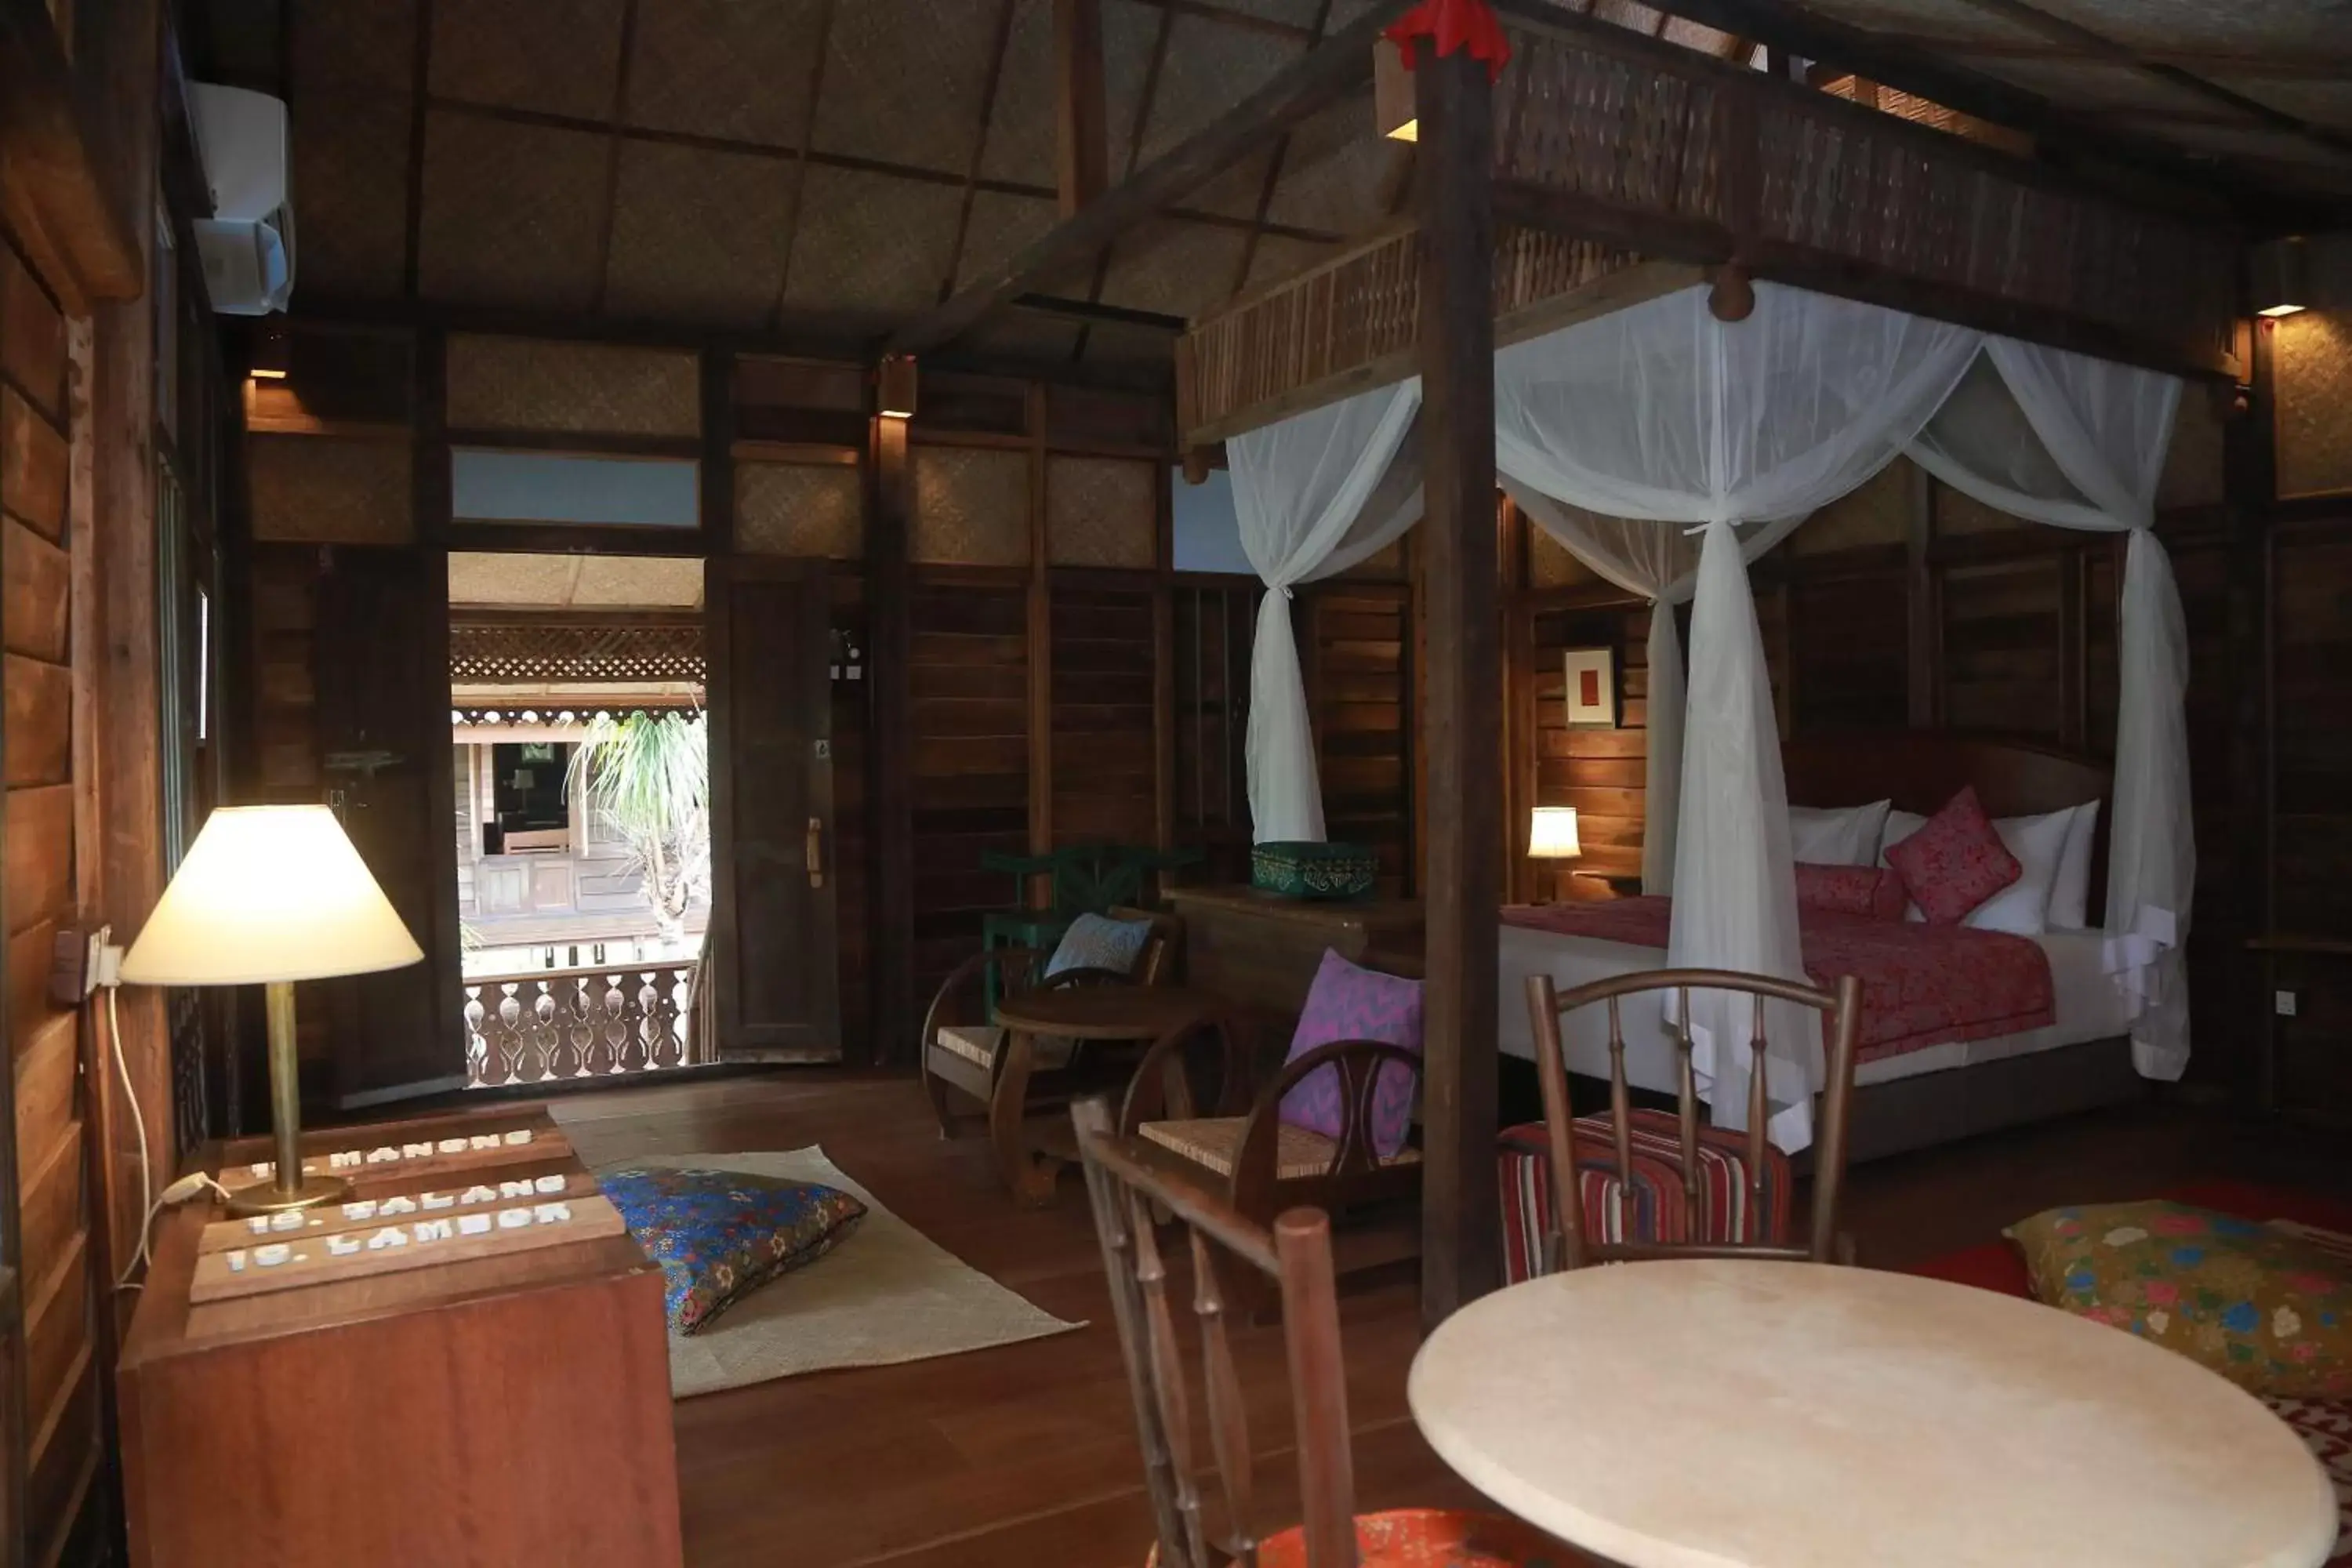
1025 1455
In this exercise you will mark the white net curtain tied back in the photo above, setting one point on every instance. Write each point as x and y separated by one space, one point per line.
1625 435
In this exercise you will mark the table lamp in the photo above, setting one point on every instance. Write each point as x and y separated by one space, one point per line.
270 895
1551 834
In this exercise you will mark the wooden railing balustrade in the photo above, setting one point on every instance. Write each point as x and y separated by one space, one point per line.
548 1025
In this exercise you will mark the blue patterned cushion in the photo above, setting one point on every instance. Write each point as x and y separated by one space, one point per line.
720 1235
1097 942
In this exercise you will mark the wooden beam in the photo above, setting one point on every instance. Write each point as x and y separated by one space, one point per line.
1081 115
1323 77
1924 618
1461 1247
62 194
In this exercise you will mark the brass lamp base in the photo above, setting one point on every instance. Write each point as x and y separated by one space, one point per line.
290 1187
268 1197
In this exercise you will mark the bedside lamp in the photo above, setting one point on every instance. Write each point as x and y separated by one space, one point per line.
270 895
1551 834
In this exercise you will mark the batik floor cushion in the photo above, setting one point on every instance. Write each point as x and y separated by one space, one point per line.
720 1235
1427 1538
2265 1308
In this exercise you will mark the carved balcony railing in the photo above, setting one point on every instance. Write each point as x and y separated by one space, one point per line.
553 1024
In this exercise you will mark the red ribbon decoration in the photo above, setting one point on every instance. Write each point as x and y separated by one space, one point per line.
1453 26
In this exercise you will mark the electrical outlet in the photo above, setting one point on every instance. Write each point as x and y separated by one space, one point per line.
2282 1004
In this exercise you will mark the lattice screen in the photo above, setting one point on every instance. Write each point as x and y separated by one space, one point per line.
542 651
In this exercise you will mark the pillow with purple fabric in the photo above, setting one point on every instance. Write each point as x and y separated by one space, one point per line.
1350 1003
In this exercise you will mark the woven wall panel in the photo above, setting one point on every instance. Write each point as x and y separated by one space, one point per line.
605 389
1550 564
1958 515
512 212
2313 372
1879 513
558 56
876 50
972 507
318 489
541 651
800 509
2193 468
723 68
699 235
882 246
1102 512
351 165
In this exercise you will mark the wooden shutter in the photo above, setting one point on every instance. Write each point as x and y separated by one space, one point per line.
774 867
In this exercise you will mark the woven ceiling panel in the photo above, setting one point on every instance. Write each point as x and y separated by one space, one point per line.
1958 515
1235 193
1627 14
512 212
872 243
878 51
2288 157
1210 67
1174 267
351 165
999 228
1020 134
1130 37
2280 28
1333 176
1102 512
697 236
2313 359
2322 102
2192 468
603 389
2088 85
351 45
1939 18
318 490
572 581
557 56
726 68
800 509
972 507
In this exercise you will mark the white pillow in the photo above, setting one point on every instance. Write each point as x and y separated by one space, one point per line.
2070 896
1900 825
1845 837
2022 909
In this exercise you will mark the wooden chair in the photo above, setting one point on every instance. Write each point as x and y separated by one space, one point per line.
1753 1165
963 1049
1295 1253
1261 1165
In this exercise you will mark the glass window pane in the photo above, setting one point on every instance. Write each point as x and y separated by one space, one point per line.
489 486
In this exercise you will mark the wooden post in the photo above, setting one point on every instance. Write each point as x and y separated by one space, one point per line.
2250 482
1461 1220
1083 165
889 803
1926 679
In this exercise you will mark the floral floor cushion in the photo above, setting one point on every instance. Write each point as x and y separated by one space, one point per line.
2266 1309
720 1235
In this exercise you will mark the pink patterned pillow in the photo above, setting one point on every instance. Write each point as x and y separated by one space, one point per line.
1955 862
1871 891
1347 1003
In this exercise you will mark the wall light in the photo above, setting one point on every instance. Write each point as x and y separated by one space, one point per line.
273 353
895 392
1395 103
2282 277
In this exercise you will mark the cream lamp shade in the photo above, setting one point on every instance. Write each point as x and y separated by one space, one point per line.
269 893
1551 834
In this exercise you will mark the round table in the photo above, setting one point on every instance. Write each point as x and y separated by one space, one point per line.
1706 1414
1031 1150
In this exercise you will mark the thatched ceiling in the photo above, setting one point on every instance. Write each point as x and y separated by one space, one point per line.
834 166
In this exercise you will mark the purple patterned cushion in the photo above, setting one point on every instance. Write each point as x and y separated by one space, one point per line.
1347 1003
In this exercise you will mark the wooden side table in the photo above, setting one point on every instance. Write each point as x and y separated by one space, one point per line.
493 1411
1031 1148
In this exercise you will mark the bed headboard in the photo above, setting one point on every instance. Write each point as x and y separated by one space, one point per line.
1919 770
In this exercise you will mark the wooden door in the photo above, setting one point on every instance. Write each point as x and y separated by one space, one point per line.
382 658
773 935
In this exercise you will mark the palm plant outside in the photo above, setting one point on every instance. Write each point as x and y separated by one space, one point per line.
650 775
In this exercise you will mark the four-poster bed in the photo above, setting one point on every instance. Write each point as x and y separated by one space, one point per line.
1669 442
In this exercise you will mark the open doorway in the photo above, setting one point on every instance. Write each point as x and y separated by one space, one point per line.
581 825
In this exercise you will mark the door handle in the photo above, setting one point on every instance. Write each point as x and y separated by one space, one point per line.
816 852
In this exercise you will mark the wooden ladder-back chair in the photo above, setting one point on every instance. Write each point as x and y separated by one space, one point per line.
1197 1531
1753 1163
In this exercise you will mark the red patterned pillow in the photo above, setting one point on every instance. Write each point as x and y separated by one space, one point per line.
1955 862
1871 891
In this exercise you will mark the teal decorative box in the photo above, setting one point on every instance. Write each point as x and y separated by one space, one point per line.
1314 870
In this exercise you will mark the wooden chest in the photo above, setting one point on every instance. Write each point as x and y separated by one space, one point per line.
1262 952
489 1410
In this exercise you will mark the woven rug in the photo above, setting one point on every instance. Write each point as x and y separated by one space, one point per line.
887 1295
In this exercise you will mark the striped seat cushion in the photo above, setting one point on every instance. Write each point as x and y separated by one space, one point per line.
1213 1143
1654 1210
976 1043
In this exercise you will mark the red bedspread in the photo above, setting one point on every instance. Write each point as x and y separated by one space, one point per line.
1921 985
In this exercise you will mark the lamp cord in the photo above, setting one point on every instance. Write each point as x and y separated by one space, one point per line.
148 1205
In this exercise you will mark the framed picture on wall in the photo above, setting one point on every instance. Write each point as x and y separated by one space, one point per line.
1591 688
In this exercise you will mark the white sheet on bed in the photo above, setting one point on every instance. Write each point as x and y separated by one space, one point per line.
2089 1006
